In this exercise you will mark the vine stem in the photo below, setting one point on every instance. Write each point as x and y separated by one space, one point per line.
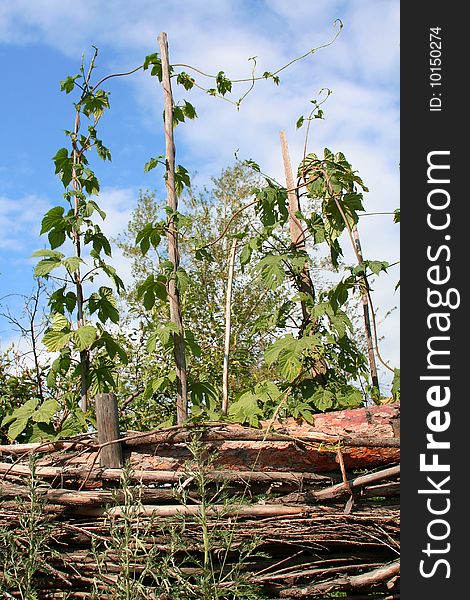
252 79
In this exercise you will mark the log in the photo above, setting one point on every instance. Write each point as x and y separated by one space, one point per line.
276 456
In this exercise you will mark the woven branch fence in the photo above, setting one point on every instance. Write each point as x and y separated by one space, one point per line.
305 510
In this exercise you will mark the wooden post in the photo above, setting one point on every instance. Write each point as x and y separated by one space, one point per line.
228 324
107 423
365 289
296 231
304 281
172 236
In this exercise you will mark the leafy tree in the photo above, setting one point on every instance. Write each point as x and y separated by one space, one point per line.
209 222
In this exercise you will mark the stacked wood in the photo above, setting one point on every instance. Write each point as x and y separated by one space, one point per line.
318 503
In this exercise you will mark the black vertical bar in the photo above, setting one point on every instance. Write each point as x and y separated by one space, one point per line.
434 332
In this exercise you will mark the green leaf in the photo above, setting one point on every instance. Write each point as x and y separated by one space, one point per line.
245 255
325 400
25 410
67 85
44 267
191 343
56 340
72 263
52 218
396 215
91 206
94 104
153 162
185 80
155 62
63 166
17 427
182 179
59 322
56 237
46 411
224 84
84 336
104 302
189 110
182 280
49 253
246 409
272 270
113 348
299 123
376 266
396 384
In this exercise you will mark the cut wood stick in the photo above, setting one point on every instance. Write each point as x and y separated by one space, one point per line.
340 489
295 574
155 476
36 447
261 510
335 491
172 237
228 326
83 498
353 582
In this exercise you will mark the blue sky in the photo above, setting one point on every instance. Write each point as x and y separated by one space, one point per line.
42 42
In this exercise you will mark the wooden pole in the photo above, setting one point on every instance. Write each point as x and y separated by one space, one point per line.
304 281
365 307
296 231
172 236
107 424
84 354
228 325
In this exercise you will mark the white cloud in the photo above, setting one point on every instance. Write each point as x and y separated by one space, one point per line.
19 221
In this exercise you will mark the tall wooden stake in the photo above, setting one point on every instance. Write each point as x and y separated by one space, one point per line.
84 354
296 231
304 281
172 236
365 308
228 324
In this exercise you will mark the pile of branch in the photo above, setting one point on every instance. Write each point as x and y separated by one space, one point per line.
321 502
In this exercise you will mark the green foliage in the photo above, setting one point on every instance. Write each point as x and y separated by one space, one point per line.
27 414
25 545
306 359
201 281
74 225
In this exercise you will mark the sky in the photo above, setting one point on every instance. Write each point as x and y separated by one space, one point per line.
42 42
